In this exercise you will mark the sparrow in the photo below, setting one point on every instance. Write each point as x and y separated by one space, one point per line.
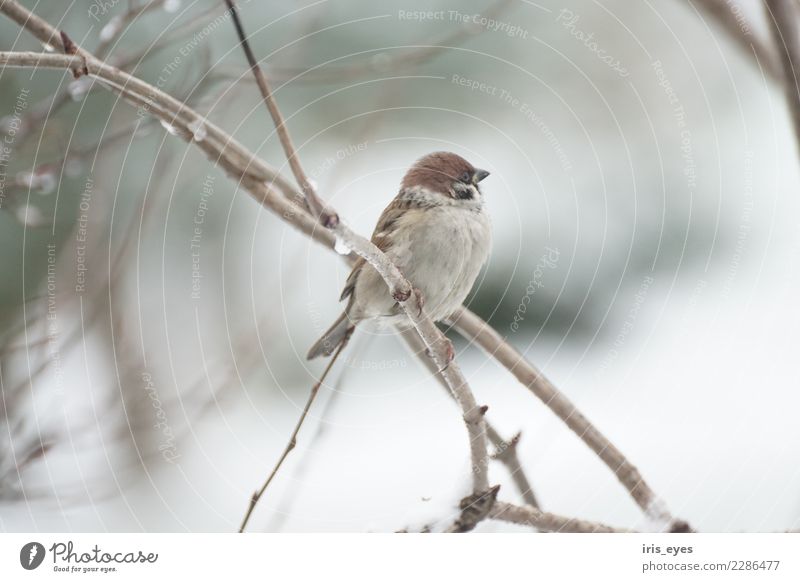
438 234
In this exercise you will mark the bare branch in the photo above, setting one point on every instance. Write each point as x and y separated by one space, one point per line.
474 509
292 439
506 453
327 217
475 329
505 450
117 25
530 516
782 16
742 33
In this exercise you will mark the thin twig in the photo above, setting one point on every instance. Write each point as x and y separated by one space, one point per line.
506 453
292 439
782 17
326 217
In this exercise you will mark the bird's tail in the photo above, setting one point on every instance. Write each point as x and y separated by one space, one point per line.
338 333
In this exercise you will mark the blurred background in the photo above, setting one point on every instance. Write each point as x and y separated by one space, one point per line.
155 320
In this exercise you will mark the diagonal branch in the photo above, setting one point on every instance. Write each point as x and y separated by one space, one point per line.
327 217
741 32
477 330
292 439
782 16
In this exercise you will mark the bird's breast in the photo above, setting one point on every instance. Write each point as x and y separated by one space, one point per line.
441 251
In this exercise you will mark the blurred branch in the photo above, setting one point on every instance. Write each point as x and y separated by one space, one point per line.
113 30
740 31
782 16
410 56
530 516
109 34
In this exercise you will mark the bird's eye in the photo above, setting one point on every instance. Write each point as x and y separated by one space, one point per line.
465 177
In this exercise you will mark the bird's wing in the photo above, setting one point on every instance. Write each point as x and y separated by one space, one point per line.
381 238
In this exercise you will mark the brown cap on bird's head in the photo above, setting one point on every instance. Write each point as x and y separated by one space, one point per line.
439 170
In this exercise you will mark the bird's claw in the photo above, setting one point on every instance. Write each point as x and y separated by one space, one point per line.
450 355
420 300
401 295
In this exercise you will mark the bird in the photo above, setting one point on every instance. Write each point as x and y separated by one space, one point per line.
437 232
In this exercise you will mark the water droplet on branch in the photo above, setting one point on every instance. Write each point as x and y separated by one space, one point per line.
341 248
198 129
171 129
79 88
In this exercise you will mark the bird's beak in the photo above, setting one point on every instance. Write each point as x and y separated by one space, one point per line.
479 175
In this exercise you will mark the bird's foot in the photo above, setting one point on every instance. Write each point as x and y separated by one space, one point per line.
420 300
401 295
449 354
